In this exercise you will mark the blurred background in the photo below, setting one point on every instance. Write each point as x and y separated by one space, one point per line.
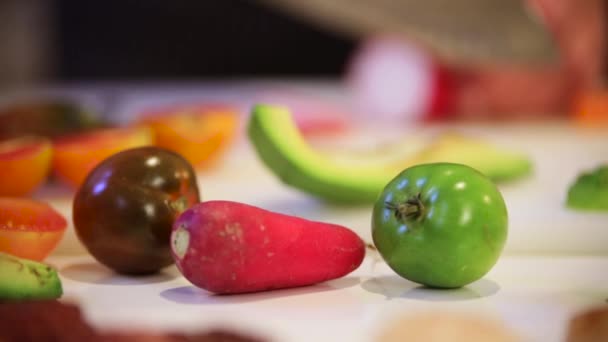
498 59
70 40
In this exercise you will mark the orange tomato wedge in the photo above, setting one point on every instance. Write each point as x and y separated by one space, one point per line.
29 229
75 156
198 133
591 109
24 164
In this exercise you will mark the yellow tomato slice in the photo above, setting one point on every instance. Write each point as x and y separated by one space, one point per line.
200 134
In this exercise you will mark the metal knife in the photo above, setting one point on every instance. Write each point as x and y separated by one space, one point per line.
458 30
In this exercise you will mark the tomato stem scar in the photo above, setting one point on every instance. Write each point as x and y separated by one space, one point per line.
413 208
180 204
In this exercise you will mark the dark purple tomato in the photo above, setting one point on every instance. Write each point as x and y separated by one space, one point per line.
124 210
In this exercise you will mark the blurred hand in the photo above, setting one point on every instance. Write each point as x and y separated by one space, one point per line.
511 91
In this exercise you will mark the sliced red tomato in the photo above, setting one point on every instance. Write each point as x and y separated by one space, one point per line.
24 164
29 229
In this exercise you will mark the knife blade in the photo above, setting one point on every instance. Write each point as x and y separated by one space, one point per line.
461 31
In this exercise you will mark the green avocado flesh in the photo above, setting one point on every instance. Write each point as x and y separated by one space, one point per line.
22 279
282 148
500 165
590 190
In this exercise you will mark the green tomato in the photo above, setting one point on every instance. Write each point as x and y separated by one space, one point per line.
442 225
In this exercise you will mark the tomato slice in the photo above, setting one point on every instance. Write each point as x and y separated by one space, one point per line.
76 155
24 164
199 133
29 229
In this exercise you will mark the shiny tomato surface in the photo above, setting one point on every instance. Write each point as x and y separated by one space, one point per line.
124 210
442 225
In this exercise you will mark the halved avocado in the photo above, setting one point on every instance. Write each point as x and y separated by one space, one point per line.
498 164
282 148
23 279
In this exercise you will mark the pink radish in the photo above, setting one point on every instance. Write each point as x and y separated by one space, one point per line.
230 247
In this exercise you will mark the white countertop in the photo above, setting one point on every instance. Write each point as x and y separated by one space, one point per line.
555 262
554 265
533 296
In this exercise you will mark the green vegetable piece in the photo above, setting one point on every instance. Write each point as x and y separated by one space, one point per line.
442 225
22 279
590 190
283 149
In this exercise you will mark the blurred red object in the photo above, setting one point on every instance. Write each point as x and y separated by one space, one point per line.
42 321
512 91
398 80
392 78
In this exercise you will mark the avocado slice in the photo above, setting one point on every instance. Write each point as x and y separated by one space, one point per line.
498 164
283 149
22 279
590 190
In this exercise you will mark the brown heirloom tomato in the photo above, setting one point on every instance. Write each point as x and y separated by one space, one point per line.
124 210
